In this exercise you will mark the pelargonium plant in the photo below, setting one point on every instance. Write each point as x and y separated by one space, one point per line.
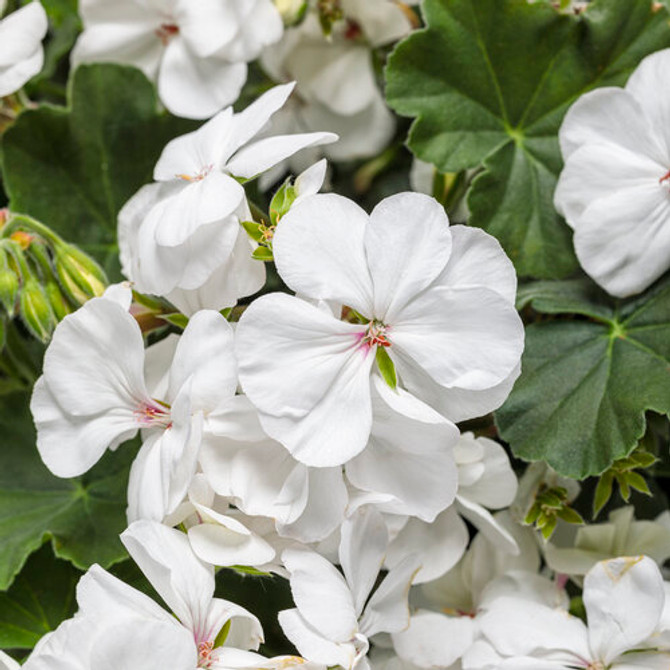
334 334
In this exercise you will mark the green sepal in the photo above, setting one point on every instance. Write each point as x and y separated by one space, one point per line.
248 570
263 254
222 635
176 319
254 230
9 284
386 367
549 527
282 200
570 515
35 309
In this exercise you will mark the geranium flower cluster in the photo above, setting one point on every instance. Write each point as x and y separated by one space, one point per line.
312 432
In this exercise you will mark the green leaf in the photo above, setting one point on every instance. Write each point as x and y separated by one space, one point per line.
82 517
40 598
386 367
489 83
581 399
74 168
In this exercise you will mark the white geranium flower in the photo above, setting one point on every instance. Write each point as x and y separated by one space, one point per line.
21 52
183 232
335 615
119 627
196 52
624 600
337 86
92 397
446 321
615 188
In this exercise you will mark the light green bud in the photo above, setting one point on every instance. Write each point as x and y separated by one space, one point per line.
35 309
79 275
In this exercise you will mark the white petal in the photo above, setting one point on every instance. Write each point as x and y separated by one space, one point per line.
497 486
202 202
219 545
457 404
7 662
321 595
407 244
518 627
363 543
466 337
311 180
250 121
95 360
388 610
239 276
362 135
197 88
204 357
261 477
477 259
324 508
622 240
434 640
442 544
125 646
71 445
312 644
484 521
646 84
256 158
624 599
600 171
207 26
408 459
165 557
611 115
319 251
307 370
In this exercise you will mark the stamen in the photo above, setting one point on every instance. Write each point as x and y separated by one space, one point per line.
153 415
198 177
166 32
206 654
353 30
665 177
375 336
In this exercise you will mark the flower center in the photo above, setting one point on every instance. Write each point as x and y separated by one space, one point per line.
353 30
375 335
206 656
197 177
153 415
665 177
166 32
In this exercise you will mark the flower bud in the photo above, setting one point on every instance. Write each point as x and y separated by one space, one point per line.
35 309
79 275
292 11
59 303
9 285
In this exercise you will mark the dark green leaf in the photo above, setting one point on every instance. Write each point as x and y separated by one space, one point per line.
490 81
581 399
39 599
82 517
74 168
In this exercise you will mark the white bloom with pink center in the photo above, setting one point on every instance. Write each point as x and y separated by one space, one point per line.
438 301
614 190
180 232
21 52
196 52
92 397
624 600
